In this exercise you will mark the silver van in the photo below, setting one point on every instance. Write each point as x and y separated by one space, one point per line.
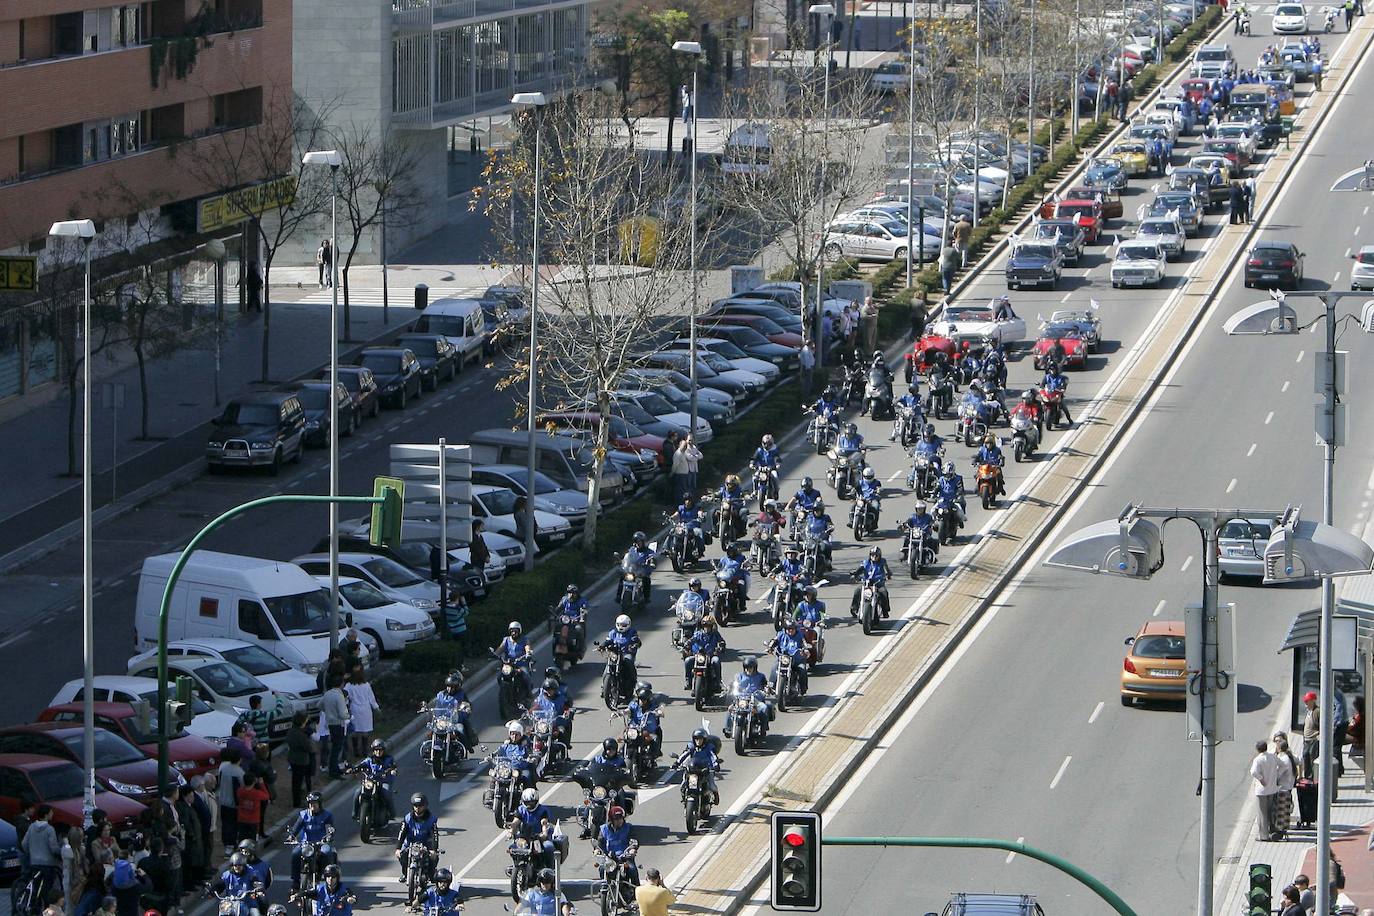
564 458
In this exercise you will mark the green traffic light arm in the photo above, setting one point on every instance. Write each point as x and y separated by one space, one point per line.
964 842
163 755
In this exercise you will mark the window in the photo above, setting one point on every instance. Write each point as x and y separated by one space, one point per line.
126 25
67 33
209 607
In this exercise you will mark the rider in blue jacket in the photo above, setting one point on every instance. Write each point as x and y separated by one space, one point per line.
949 491
237 881
381 766
314 825
699 752
789 642
810 611
533 821
518 751
442 899
644 714
641 559
790 564
749 682
552 702
420 827
615 841
767 455
706 641
806 496
850 440
690 515
994 367
921 525
449 699
732 567
911 401
990 453
331 897
820 526
875 572
1055 380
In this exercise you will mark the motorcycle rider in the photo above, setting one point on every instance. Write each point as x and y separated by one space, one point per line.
827 408
690 516
700 752
706 640
1030 406
1055 355
552 700
257 865
625 638
331 897
381 766
532 820
516 651
949 492
448 700
1055 380
543 900
639 557
732 567
644 714
769 456
929 446
769 519
442 899
790 643
806 496
420 827
312 825
791 565
874 572
850 440
969 363
871 489
693 599
810 611
994 367
574 606
518 751
750 682
911 401
820 526
990 453
921 524
237 880
614 840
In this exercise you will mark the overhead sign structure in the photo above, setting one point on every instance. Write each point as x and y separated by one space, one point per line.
18 274
234 207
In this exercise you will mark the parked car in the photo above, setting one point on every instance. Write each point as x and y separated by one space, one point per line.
314 398
653 405
119 765
190 756
765 326
211 724
623 434
294 684
438 358
397 371
866 240
464 578
1362 271
362 388
548 495
226 687
787 318
1274 264
389 577
737 384
9 854
28 779
266 429
393 624
496 507
754 343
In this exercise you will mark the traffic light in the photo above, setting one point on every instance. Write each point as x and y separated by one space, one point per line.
179 710
385 529
1260 900
796 860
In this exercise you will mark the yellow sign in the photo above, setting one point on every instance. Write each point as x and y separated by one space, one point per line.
229 209
18 274
639 240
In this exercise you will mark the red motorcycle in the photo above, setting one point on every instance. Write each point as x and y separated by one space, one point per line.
989 483
1054 406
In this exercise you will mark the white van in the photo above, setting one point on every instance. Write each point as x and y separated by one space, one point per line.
462 321
747 150
274 604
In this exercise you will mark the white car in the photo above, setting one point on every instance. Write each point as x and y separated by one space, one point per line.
386 575
866 239
206 722
662 409
708 351
505 552
289 682
391 623
995 321
1138 262
495 506
1289 19
1166 232
1362 271
224 686
1210 162
1173 107
895 76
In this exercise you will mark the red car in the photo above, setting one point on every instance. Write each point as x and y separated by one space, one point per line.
191 756
119 765
624 434
766 326
1087 212
921 357
1196 89
30 778
1109 201
1075 347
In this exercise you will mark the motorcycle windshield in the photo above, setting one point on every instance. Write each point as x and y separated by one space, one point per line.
600 774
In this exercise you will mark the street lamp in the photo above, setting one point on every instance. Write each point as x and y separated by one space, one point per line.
825 9
332 159
535 101
1132 546
381 186
214 249
1276 316
693 48
84 229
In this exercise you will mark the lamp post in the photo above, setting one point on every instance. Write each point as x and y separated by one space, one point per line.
693 48
214 248
381 187
828 10
536 101
1275 316
911 140
84 229
1030 101
333 159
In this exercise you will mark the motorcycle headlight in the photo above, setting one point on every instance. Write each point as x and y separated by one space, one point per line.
629 577
598 792
631 734
505 670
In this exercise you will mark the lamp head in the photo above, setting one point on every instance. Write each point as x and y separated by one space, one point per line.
1300 549
529 100
822 9
73 229
687 47
1127 546
329 157
215 249
1274 316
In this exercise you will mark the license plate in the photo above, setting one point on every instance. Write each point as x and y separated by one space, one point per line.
11 863
558 536
1132 281
1164 672
235 453
1269 276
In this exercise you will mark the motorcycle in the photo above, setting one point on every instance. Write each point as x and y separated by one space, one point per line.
603 786
243 903
314 857
947 522
844 471
815 641
765 484
745 722
503 795
682 547
989 480
764 550
527 856
821 431
547 738
1025 435
617 681
788 686
925 470
812 557
853 389
919 558
372 814
1329 22
704 683
878 394
569 638
1054 405
639 751
868 608
786 589
940 396
863 517
1245 24
729 521
696 800
905 428
512 688
421 861
971 423
615 890
689 610
633 594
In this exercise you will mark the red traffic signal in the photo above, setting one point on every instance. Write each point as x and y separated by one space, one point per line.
796 861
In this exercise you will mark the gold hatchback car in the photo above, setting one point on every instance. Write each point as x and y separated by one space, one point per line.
1155 667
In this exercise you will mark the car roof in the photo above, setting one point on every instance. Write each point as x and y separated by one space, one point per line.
386 351
29 762
56 729
1272 243
1162 628
107 708
192 662
263 397
213 643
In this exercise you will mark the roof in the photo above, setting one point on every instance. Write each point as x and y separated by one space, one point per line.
1355 599
34 762
109 710
1162 628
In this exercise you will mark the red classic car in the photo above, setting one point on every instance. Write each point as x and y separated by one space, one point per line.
1087 212
1108 200
922 355
1075 347
1196 89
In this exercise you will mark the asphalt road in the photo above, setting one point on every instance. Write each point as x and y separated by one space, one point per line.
1025 737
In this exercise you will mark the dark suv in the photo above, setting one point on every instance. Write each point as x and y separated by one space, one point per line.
314 398
362 388
438 358
1272 264
257 430
397 371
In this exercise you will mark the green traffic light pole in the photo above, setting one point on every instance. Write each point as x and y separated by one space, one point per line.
163 754
966 842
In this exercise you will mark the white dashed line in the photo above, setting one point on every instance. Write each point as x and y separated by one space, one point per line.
1186 563
1366 212
895 476
1253 446
1096 712
1347 251
1012 855
1357 231
1159 607
1060 775
1065 299
1334 277
1268 418
1301 353
1285 385
1231 486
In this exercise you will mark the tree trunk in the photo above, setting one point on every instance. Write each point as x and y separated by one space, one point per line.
142 389
267 312
348 263
672 113
594 483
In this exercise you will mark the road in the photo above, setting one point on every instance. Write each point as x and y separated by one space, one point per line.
1025 737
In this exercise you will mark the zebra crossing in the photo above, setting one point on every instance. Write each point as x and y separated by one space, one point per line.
371 297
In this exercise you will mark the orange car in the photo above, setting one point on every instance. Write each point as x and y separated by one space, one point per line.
1155 668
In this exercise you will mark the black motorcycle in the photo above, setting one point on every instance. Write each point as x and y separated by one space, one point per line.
512 688
503 795
569 632
370 809
681 546
421 862
729 521
618 680
448 739
527 856
853 387
940 396
696 799
924 473
765 484
947 523
878 394
746 722
726 604
547 737
638 747
705 684
603 786
863 517
314 857
786 592
615 891
789 687
918 559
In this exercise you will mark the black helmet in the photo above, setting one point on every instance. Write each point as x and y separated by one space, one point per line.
852 429
378 745
550 685
333 871
750 663
553 672
643 692
443 876
914 388
418 800
731 549
313 799
639 538
610 747
247 847
694 583
810 592
876 553
572 590
930 429
546 876
829 391
454 680
818 509
789 623
699 733
806 483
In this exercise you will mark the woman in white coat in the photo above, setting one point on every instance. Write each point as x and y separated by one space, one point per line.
362 702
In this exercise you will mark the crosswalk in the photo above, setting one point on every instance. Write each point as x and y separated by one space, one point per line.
371 297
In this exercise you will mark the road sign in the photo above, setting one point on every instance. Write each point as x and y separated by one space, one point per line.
18 273
386 516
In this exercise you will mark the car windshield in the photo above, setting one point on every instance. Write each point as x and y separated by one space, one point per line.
1059 332
198 706
363 596
1151 227
58 783
656 404
1365 257
382 364
1241 530
390 573
968 313
1175 201
228 680
1135 253
421 346
237 414
1213 54
1053 231
298 615
448 325
1158 646
891 67
110 749
717 362
1035 251
1075 209
1289 9
313 398
255 660
724 349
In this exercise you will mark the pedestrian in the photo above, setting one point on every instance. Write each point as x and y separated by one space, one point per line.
73 865
806 361
478 550
868 319
351 648
207 812
456 621
260 767
1264 770
1307 897
653 898
1349 13
1317 73
1288 777
693 462
1251 196
850 317
687 112
1246 201
1123 98
258 720
240 739
963 231
1237 202
1354 733
336 720
157 867
1311 734
300 759
668 449
324 259
362 703
678 476
128 883
322 739
918 314
230 776
827 335
251 797
193 858
252 286
1291 902
950 260
334 669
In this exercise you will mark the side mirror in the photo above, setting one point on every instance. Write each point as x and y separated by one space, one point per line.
1130 640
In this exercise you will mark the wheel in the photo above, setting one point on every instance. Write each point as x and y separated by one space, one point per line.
676 557
365 823
436 763
899 254
741 738
691 817
508 710
989 500
604 900
1127 701
626 601
275 467
498 813
833 252
453 371
699 692
1019 451
515 889
782 697
635 772
866 613
608 691
915 567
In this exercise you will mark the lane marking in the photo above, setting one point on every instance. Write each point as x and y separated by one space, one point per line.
1347 251
1285 386
1097 711
1253 446
1231 486
1301 352
1159 607
1187 561
1268 418
1060 775
895 476
1334 277
1065 299
1357 231
1366 212
1012 855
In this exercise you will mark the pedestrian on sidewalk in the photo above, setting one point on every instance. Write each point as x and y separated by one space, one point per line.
918 314
207 812
362 703
1251 195
251 797
827 334
1264 770
868 321
456 620
1237 196
336 720
478 550
252 284
324 258
1306 896
652 897
677 476
300 758
230 779
1288 778
1291 903
1245 202
260 768
1349 13
1354 733
693 462
963 231
193 852
1311 735
806 361
687 112
667 453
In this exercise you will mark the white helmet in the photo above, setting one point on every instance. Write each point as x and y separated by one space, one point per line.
921 506
530 797
768 439
515 627
868 474
515 727
622 623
